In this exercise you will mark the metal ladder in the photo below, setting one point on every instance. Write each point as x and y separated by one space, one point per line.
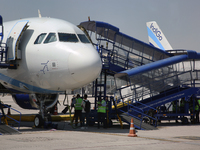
3 50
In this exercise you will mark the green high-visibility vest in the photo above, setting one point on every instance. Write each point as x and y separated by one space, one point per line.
197 106
101 109
78 104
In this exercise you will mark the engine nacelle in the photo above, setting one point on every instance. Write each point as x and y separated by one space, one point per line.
32 101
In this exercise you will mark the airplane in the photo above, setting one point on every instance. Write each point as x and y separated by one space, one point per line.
43 57
156 36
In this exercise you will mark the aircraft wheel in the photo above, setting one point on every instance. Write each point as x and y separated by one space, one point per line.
38 121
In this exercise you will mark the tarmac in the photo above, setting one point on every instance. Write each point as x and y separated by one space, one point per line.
170 135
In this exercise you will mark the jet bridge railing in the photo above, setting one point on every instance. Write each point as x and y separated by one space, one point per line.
120 49
134 112
149 113
140 114
7 116
158 79
3 53
120 55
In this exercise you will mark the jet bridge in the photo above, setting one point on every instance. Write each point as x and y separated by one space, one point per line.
153 85
146 77
118 51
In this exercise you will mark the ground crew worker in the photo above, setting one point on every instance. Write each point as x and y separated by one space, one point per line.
175 108
78 110
101 112
182 105
191 110
85 112
197 104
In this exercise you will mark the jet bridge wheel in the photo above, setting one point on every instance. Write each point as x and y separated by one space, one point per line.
146 120
38 121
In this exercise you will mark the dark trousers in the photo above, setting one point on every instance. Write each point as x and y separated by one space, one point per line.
77 115
85 115
102 118
197 116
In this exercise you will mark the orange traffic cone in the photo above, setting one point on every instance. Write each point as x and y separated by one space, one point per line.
55 110
132 129
8 112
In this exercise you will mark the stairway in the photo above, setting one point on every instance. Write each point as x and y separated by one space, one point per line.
7 130
144 126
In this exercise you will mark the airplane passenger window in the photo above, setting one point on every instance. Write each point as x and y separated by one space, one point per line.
40 38
83 38
67 37
51 38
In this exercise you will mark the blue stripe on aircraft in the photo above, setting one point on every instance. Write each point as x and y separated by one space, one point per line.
31 88
151 35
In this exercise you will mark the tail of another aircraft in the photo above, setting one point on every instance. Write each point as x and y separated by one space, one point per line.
156 36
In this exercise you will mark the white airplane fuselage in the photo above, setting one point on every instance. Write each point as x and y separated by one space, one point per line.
50 67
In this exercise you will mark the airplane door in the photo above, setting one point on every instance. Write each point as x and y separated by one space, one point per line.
14 39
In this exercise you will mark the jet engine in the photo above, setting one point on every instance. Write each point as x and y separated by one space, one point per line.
33 101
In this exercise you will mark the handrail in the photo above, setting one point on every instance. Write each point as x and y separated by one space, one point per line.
150 108
13 118
141 112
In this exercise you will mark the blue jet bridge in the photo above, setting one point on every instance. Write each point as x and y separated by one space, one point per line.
148 80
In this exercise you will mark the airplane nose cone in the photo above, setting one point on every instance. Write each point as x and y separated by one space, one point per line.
85 65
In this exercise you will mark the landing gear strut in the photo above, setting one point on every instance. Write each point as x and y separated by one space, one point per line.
43 118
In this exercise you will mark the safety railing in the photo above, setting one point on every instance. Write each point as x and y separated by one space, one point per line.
3 53
17 121
158 81
150 113
120 49
139 113
131 109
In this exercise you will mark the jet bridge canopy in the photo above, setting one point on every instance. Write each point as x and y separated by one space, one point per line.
156 77
112 33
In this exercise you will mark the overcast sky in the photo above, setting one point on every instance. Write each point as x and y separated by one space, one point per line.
178 19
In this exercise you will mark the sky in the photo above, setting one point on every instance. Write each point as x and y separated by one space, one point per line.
178 19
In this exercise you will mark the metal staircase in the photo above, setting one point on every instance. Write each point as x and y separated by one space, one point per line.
145 77
4 63
5 120
7 130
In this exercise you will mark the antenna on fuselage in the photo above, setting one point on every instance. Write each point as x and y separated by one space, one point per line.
39 14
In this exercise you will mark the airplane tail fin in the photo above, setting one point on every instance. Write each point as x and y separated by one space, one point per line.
156 36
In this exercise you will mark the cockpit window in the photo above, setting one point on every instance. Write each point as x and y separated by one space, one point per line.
40 38
83 38
51 38
67 37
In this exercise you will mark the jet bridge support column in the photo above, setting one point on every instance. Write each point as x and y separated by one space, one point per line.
100 86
